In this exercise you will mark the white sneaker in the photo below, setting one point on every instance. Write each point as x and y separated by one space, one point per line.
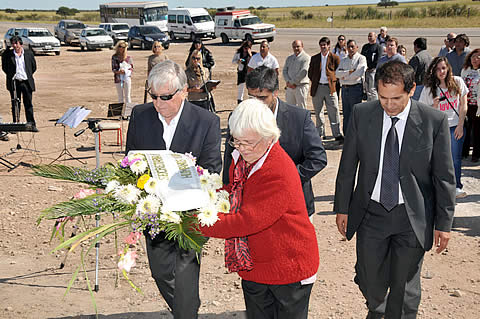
459 193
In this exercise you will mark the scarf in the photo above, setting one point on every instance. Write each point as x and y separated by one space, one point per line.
237 254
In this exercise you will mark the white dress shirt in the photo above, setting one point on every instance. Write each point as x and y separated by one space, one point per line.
323 73
169 129
400 126
257 60
20 64
358 63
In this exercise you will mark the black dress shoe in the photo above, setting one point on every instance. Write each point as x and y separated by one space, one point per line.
339 139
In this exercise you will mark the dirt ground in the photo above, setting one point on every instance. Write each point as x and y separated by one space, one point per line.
33 286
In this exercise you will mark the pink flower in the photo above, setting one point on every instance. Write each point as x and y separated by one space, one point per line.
124 162
199 171
84 193
133 238
127 261
59 221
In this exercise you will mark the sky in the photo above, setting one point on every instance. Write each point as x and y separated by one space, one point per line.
94 4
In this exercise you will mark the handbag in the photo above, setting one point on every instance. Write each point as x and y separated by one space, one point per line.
465 121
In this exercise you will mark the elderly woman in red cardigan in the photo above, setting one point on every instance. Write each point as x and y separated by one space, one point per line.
270 241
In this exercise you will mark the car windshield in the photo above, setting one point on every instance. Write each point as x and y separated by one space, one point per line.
150 30
252 20
120 27
39 33
75 25
199 19
92 33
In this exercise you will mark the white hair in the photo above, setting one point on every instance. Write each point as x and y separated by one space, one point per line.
383 29
254 115
167 73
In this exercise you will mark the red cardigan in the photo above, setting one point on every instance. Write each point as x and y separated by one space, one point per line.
273 215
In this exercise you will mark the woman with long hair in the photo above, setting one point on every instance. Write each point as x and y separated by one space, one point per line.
241 58
471 76
448 93
122 68
207 57
340 49
195 72
157 56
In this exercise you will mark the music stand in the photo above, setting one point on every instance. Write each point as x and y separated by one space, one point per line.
72 117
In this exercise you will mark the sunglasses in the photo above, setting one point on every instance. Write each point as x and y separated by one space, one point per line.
351 47
196 58
451 40
163 97
341 39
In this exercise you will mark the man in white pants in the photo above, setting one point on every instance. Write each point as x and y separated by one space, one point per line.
295 75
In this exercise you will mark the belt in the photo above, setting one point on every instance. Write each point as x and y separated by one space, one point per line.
21 80
322 83
351 85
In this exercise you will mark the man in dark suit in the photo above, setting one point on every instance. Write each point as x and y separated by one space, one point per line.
19 65
172 123
404 193
298 137
321 72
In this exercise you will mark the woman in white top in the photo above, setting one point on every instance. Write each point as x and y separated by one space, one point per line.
448 93
340 49
471 76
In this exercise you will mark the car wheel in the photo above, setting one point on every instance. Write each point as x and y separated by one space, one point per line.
270 39
130 44
224 38
143 46
248 37
82 47
57 52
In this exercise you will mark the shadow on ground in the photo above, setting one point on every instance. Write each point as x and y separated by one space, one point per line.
468 225
157 315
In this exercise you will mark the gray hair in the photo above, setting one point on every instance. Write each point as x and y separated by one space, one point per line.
383 29
254 115
167 73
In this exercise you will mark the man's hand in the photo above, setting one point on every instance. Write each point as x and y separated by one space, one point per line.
342 224
441 239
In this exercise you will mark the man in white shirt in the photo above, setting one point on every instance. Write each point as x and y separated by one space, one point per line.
295 75
351 72
19 66
172 123
263 58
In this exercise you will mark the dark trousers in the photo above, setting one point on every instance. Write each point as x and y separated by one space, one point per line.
389 259
351 95
276 301
176 273
472 136
23 90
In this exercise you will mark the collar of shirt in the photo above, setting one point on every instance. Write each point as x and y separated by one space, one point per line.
275 113
18 55
169 129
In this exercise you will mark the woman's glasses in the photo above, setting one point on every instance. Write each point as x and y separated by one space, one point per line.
197 58
162 97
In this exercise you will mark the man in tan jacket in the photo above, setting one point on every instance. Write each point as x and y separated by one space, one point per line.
322 74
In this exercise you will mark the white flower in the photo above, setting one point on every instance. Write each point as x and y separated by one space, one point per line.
223 205
127 193
151 186
149 204
139 167
204 182
212 194
208 215
127 261
111 186
223 194
139 156
170 217
215 181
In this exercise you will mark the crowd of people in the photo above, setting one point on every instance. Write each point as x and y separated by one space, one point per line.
399 173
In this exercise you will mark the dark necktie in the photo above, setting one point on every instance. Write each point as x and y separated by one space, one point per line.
390 172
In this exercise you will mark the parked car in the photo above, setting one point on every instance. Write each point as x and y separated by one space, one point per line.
10 33
95 38
118 31
144 36
40 40
69 31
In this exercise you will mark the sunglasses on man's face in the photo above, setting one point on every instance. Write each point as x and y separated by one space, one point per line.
162 97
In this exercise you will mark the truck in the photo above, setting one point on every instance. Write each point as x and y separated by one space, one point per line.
190 23
69 31
242 25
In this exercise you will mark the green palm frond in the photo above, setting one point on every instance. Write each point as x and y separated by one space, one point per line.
96 177
186 234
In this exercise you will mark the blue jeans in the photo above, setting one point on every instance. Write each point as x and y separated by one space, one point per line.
351 95
457 146
418 91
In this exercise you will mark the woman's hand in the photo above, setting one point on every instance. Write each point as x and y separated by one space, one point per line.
458 133
436 101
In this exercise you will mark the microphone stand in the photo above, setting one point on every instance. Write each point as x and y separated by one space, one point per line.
211 108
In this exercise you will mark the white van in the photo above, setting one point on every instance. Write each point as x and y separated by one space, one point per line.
190 23
242 25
